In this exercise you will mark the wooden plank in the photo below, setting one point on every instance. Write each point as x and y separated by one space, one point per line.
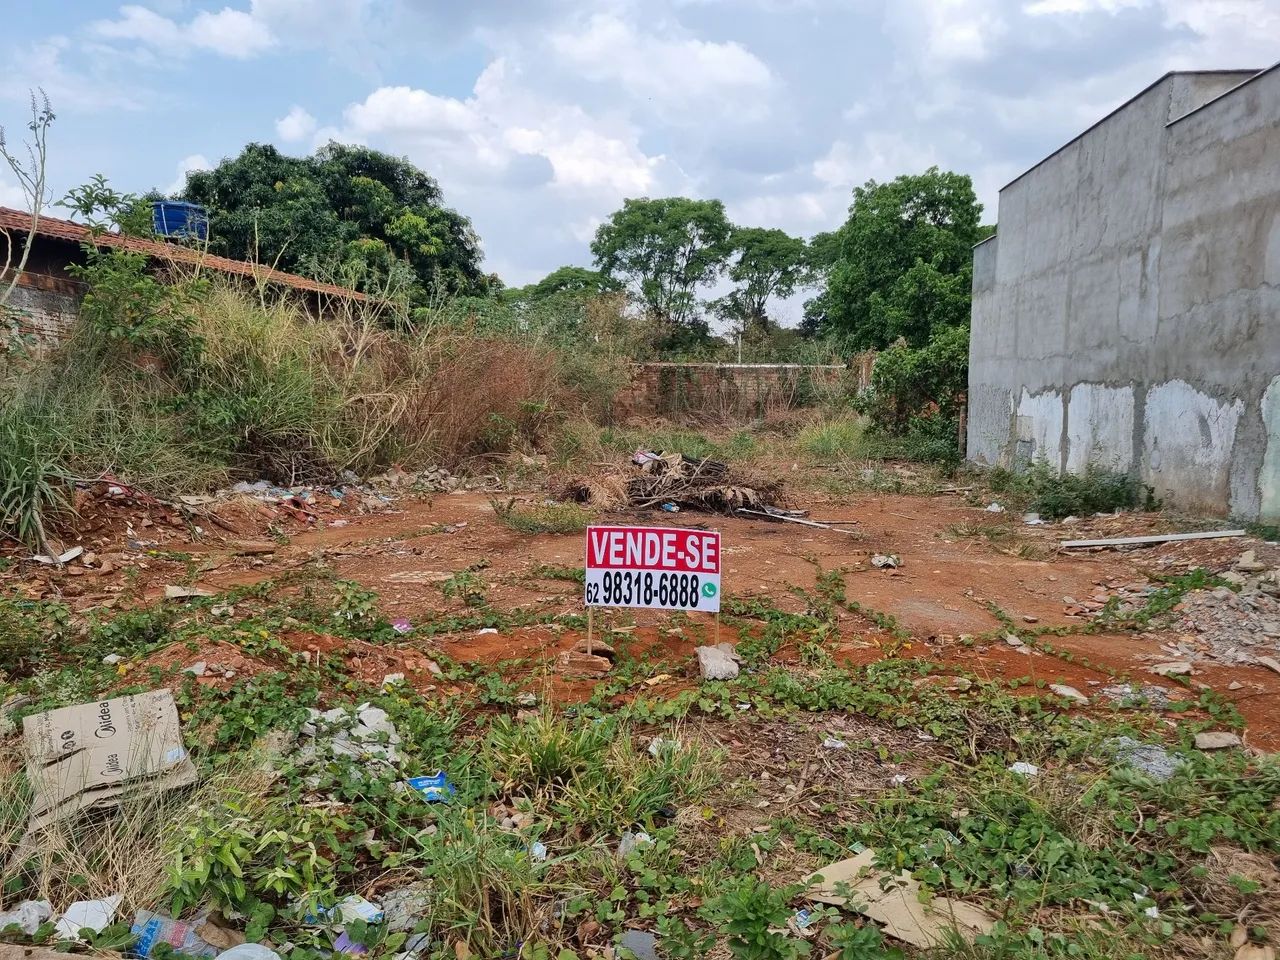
785 519
1157 538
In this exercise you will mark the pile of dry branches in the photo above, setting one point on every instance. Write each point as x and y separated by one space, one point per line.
673 478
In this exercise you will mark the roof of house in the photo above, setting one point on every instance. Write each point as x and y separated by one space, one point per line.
19 221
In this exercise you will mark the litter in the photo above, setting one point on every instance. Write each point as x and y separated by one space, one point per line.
657 478
834 743
152 929
894 902
434 789
401 625
994 508
27 916
786 518
483 631
670 508
1032 520
660 745
886 561
538 852
1158 538
95 915
60 559
368 735
1024 769
630 842
90 756
344 944
249 951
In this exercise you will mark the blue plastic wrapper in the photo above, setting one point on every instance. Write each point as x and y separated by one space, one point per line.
434 789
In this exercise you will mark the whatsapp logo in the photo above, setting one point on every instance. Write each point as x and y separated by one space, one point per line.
708 590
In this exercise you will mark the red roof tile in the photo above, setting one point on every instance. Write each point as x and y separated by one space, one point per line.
19 222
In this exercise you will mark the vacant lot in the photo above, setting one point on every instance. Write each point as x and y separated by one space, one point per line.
877 708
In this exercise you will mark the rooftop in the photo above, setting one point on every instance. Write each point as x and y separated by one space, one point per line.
19 222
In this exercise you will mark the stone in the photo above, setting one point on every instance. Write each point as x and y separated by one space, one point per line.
1150 758
197 669
642 944
583 665
1171 668
1216 740
716 664
1013 640
1071 693
1248 562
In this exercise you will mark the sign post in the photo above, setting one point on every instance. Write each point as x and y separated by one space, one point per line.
657 568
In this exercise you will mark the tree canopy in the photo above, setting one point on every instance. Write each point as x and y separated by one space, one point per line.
766 263
370 212
904 263
664 250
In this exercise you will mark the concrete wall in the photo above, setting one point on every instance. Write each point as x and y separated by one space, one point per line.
1127 315
40 311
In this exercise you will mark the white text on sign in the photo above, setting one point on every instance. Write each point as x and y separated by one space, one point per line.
665 568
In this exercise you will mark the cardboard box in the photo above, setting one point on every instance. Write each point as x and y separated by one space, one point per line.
92 755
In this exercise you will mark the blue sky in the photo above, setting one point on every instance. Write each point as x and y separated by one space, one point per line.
539 116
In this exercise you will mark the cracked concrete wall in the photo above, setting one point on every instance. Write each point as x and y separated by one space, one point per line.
1127 313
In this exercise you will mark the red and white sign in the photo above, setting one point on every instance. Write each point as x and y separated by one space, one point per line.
667 568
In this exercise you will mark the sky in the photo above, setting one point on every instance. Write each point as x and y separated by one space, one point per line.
538 117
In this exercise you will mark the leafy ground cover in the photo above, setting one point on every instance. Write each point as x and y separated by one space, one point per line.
730 784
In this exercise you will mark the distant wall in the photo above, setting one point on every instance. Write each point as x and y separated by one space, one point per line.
41 308
1127 314
720 392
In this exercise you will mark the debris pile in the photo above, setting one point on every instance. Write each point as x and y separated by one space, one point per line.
656 480
1229 627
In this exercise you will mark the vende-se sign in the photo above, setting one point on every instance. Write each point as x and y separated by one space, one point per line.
666 568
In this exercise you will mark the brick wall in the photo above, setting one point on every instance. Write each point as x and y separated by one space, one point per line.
40 310
724 392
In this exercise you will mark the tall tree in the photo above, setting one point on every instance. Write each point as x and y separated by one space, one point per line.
664 250
766 263
905 261
343 204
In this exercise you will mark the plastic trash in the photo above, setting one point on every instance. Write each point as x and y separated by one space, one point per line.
1024 769
155 928
834 743
670 508
249 951
631 842
434 789
401 625
95 915
27 916
995 508
538 852
344 944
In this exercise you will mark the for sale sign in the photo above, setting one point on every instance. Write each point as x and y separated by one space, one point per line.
666 568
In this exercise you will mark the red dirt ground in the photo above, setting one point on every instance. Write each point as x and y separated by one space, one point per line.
939 595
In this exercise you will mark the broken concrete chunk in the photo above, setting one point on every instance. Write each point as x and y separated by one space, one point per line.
1071 693
1013 640
1149 758
716 664
572 663
1171 668
894 902
1249 563
173 592
1216 740
197 669
642 944
886 561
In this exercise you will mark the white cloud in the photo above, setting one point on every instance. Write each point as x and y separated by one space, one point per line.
11 195
295 125
231 33
678 71
1043 8
197 161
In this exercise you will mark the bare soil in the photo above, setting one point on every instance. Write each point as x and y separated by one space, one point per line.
943 594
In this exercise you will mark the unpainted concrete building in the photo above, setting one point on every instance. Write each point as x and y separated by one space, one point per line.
1126 315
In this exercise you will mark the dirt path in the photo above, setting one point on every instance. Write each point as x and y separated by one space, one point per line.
943 594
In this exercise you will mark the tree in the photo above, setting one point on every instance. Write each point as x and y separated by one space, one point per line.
344 205
664 250
32 180
905 261
767 263
568 280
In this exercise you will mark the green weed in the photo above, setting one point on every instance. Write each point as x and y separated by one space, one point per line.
542 518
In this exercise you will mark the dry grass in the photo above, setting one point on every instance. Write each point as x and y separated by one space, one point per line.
124 850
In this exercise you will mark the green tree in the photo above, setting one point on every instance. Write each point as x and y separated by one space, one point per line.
905 259
347 205
767 263
664 250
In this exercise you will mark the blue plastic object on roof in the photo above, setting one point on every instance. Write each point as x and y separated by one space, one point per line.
180 220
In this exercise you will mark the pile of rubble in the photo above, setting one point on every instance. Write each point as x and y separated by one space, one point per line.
1233 626
673 481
